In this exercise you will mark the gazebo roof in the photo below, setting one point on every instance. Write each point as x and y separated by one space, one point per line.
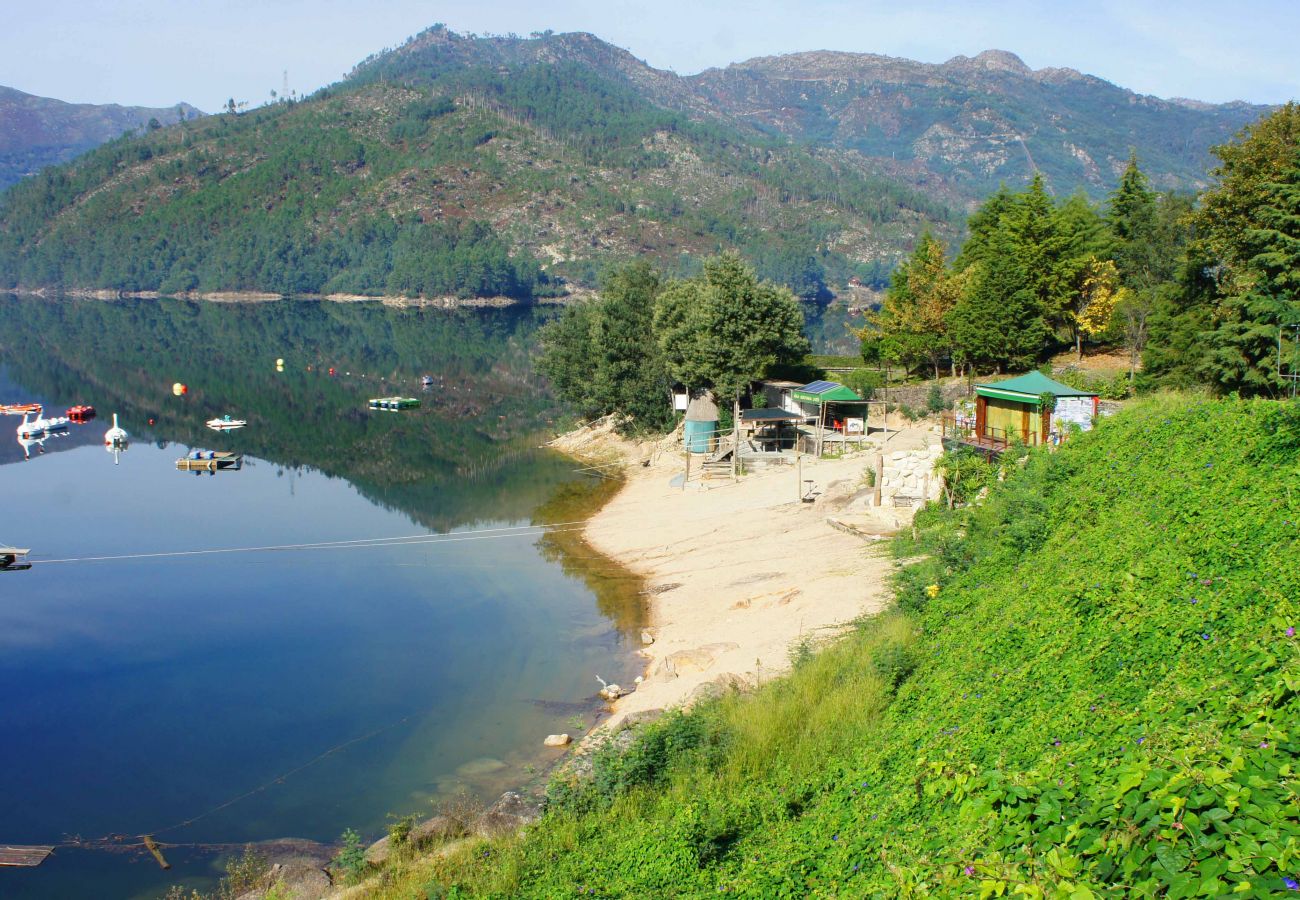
1028 388
825 392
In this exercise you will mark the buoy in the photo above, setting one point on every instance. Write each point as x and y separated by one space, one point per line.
279 361
331 370
178 389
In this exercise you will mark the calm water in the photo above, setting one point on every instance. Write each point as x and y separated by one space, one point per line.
141 693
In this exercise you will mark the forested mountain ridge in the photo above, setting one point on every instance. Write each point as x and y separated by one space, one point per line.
965 125
37 131
506 166
511 180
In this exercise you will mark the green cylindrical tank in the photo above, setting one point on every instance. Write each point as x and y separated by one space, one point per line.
699 436
700 430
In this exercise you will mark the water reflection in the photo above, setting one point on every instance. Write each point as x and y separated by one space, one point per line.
144 690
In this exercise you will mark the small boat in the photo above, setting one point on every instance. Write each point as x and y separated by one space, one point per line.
20 409
115 436
209 461
226 423
427 381
394 403
81 413
9 559
29 428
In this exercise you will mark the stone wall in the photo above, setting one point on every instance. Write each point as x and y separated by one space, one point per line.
910 473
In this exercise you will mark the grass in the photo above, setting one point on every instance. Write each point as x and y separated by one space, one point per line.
1088 688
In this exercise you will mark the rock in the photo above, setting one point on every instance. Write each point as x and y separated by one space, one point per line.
377 853
611 692
292 882
438 828
644 717
647 637
510 812
699 659
303 883
556 740
723 684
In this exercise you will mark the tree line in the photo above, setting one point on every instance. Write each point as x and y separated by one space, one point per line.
719 330
1196 288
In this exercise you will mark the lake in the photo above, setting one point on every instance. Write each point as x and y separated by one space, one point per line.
223 698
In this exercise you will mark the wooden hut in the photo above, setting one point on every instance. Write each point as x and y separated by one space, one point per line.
1013 409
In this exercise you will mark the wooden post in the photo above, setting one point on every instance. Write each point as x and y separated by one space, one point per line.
880 477
735 434
157 853
821 425
687 476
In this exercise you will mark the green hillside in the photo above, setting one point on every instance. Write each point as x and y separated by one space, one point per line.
1099 701
434 180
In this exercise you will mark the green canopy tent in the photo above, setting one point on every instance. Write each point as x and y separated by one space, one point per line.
815 397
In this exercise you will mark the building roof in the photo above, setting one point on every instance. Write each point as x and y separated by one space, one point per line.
769 415
1029 387
702 409
825 392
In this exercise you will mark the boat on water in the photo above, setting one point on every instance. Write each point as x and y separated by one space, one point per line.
19 409
427 380
9 559
209 461
81 413
226 423
116 440
30 428
394 403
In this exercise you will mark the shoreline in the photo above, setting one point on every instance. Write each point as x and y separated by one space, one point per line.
444 302
737 575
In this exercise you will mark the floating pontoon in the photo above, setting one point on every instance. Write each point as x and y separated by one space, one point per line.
209 461
393 403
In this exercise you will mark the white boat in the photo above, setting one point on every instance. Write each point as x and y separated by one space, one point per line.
116 440
226 423
32 428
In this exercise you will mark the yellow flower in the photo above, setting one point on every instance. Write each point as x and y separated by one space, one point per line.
932 591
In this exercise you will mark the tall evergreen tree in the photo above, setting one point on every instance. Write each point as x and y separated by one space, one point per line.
1247 227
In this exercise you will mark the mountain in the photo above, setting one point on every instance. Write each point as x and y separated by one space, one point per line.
961 127
516 167
36 131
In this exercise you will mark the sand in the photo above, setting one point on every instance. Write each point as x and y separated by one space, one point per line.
738 574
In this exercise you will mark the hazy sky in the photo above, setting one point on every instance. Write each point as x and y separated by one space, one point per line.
158 52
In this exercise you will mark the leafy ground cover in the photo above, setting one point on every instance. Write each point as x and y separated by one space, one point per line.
1088 689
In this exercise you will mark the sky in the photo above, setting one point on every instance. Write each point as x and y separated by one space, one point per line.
160 52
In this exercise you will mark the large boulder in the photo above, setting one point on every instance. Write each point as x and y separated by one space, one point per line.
699 659
436 830
509 813
292 882
378 853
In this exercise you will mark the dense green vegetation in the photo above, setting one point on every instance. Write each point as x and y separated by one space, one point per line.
1089 688
1197 288
432 174
720 331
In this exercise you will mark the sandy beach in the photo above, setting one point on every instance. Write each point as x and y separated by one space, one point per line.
738 574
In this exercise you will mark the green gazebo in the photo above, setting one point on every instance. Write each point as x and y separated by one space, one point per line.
1008 409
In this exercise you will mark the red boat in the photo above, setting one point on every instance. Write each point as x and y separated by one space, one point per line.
81 413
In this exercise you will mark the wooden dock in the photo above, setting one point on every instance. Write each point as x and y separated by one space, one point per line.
24 856
216 461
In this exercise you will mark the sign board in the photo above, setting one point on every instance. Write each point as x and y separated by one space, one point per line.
853 426
681 400
1072 411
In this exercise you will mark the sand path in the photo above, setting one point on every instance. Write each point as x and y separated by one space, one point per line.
756 571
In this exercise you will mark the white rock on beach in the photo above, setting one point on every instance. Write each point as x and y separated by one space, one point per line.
556 740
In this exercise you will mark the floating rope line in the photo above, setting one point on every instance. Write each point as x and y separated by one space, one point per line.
359 544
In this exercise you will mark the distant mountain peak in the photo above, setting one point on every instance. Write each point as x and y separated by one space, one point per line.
1002 61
